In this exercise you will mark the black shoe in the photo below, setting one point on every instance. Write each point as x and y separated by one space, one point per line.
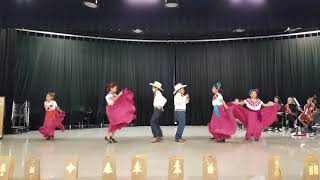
212 138
113 140
107 139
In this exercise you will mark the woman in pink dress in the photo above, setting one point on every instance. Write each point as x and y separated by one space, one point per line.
223 124
53 119
257 116
120 110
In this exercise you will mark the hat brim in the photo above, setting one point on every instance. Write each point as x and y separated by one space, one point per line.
183 86
151 84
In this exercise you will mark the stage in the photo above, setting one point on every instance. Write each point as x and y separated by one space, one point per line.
237 159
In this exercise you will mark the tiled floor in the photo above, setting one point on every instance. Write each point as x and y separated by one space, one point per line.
237 159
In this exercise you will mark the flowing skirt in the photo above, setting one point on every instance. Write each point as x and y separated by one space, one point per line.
224 126
255 121
122 112
52 120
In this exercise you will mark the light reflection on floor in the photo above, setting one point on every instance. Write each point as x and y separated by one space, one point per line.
237 159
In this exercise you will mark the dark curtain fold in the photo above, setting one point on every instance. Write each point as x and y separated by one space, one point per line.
79 69
286 67
7 61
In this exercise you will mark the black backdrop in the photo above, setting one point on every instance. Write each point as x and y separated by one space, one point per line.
78 70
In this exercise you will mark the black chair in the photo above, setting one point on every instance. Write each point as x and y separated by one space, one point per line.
88 116
101 116
77 117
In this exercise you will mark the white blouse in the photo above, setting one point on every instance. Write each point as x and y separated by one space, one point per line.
217 100
159 100
108 99
50 105
253 105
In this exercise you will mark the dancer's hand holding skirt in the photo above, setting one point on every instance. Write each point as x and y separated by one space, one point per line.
53 120
122 112
223 124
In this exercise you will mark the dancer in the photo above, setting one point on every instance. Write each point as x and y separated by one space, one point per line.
120 110
223 124
158 103
254 117
180 105
53 118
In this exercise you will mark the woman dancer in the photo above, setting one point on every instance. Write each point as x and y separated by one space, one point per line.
120 110
53 119
254 117
223 124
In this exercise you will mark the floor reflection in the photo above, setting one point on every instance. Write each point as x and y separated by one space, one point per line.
237 159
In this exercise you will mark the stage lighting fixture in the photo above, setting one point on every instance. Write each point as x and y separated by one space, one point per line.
138 31
238 30
171 3
143 2
91 3
292 30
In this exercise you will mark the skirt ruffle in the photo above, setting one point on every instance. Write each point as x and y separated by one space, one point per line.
122 112
255 121
224 126
52 121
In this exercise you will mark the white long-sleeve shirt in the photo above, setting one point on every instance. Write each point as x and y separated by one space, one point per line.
159 100
180 102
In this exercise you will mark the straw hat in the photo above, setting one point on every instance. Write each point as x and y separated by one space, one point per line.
157 85
178 86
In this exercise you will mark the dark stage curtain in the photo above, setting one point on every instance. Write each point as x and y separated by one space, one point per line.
78 71
7 61
285 67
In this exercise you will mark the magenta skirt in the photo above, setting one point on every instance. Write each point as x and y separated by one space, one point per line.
52 121
224 125
122 112
255 121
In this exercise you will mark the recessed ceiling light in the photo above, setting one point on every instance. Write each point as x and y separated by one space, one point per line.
138 31
238 30
171 3
91 3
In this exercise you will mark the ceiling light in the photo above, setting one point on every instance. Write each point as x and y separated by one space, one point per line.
171 3
91 3
143 2
138 31
238 30
291 30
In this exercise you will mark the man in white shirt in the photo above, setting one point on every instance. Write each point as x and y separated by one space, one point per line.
180 105
158 103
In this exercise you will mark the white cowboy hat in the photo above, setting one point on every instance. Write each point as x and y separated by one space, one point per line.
178 86
157 85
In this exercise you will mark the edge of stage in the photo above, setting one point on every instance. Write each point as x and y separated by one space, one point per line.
236 159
